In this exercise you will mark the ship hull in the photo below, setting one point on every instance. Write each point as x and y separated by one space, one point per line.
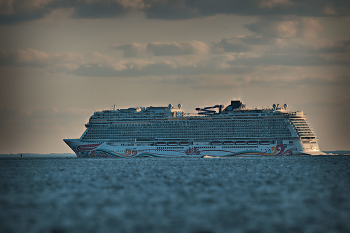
108 149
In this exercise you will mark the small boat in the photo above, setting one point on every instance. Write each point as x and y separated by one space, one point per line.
228 143
161 144
240 143
184 143
216 143
172 143
264 143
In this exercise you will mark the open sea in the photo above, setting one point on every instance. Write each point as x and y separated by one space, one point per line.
201 195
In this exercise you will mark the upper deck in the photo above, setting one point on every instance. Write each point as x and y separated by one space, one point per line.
235 110
235 122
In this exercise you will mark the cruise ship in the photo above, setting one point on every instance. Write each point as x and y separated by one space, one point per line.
168 131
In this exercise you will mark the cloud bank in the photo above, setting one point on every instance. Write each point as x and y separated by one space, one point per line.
164 49
14 11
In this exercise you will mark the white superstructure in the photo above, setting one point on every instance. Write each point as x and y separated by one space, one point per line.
213 131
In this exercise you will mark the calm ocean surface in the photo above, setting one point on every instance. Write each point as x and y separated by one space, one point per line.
240 194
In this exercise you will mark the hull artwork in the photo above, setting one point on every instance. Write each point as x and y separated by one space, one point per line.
102 150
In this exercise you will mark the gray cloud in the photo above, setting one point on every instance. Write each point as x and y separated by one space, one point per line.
108 70
164 48
205 77
22 10
155 69
286 27
171 10
13 11
98 9
35 58
185 9
229 45
132 49
175 49
316 48
240 44
252 46
289 60
339 46
23 57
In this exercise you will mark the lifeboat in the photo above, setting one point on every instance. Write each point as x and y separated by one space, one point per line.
184 143
252 143
161 144
240 143
216 143
265 143
228 143
172 143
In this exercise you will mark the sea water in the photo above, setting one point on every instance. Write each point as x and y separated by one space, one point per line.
240 194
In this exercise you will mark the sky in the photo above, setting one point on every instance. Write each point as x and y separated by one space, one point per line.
60 61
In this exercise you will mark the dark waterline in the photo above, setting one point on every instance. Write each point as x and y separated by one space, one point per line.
241 194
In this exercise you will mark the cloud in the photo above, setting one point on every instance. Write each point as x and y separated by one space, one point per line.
240 44
164 49
142 68
177 49
14 11
218 64
23 57
235 55
310 28
313 47
185 9
35 58
273 3
98 9
286 27
132 49
171 10
8 7
130 69
290 60
229 45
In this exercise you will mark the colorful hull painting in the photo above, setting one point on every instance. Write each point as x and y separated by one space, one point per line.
94 150
274 151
